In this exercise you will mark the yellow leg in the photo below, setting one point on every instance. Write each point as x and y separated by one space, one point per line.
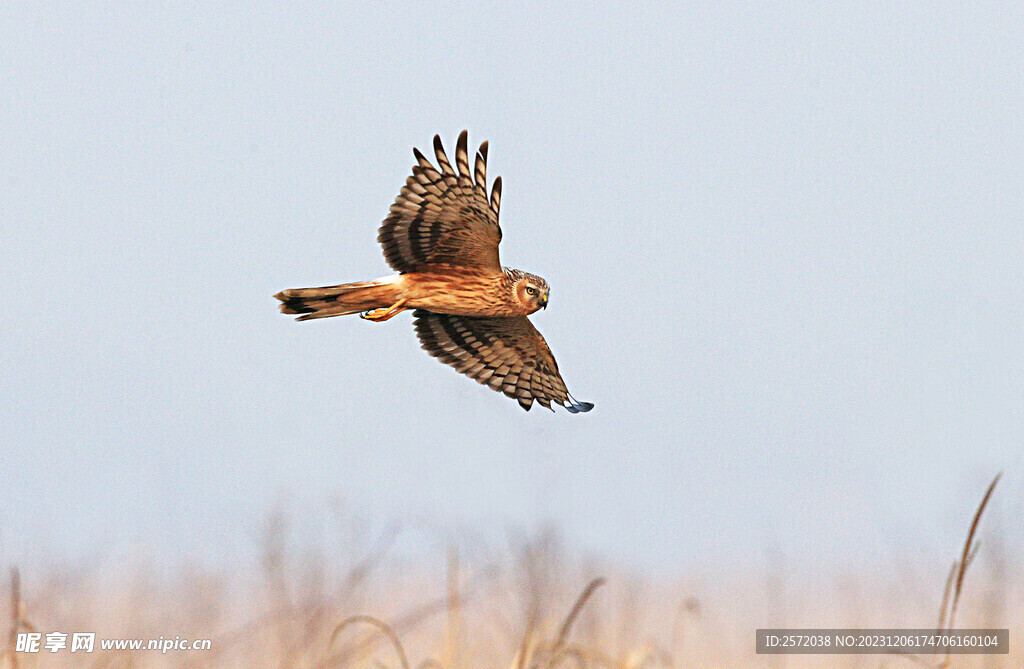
381 315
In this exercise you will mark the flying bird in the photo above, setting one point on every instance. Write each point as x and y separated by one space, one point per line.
442 237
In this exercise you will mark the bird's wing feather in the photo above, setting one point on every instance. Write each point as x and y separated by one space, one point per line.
507 354
444 217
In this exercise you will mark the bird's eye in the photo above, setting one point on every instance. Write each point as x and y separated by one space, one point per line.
530 290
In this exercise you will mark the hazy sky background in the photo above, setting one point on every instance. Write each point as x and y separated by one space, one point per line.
785 244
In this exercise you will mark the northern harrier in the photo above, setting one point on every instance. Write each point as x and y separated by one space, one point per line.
442 238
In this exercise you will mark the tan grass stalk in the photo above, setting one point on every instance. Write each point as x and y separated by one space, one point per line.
379 624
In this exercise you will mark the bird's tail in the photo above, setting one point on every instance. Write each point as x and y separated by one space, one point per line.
327 301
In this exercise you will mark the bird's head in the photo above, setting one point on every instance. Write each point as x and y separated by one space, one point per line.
532 292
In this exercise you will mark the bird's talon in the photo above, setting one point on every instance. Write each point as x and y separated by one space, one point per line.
384 313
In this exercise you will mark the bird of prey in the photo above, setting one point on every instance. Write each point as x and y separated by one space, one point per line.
471 313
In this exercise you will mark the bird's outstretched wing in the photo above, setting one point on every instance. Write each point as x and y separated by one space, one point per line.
507 354
444 217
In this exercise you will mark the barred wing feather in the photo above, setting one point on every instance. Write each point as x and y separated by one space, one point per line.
443 216
507 354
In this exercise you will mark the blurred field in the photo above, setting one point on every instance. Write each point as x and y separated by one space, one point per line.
526 604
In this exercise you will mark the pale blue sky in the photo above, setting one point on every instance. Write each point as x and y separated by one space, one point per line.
785 244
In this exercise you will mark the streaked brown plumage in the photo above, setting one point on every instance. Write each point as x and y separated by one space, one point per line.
442 237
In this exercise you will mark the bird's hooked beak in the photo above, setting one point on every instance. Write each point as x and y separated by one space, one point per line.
544 301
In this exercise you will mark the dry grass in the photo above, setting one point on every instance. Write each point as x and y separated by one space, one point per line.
530 608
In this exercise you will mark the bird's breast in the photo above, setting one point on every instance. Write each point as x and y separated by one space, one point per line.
461 292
